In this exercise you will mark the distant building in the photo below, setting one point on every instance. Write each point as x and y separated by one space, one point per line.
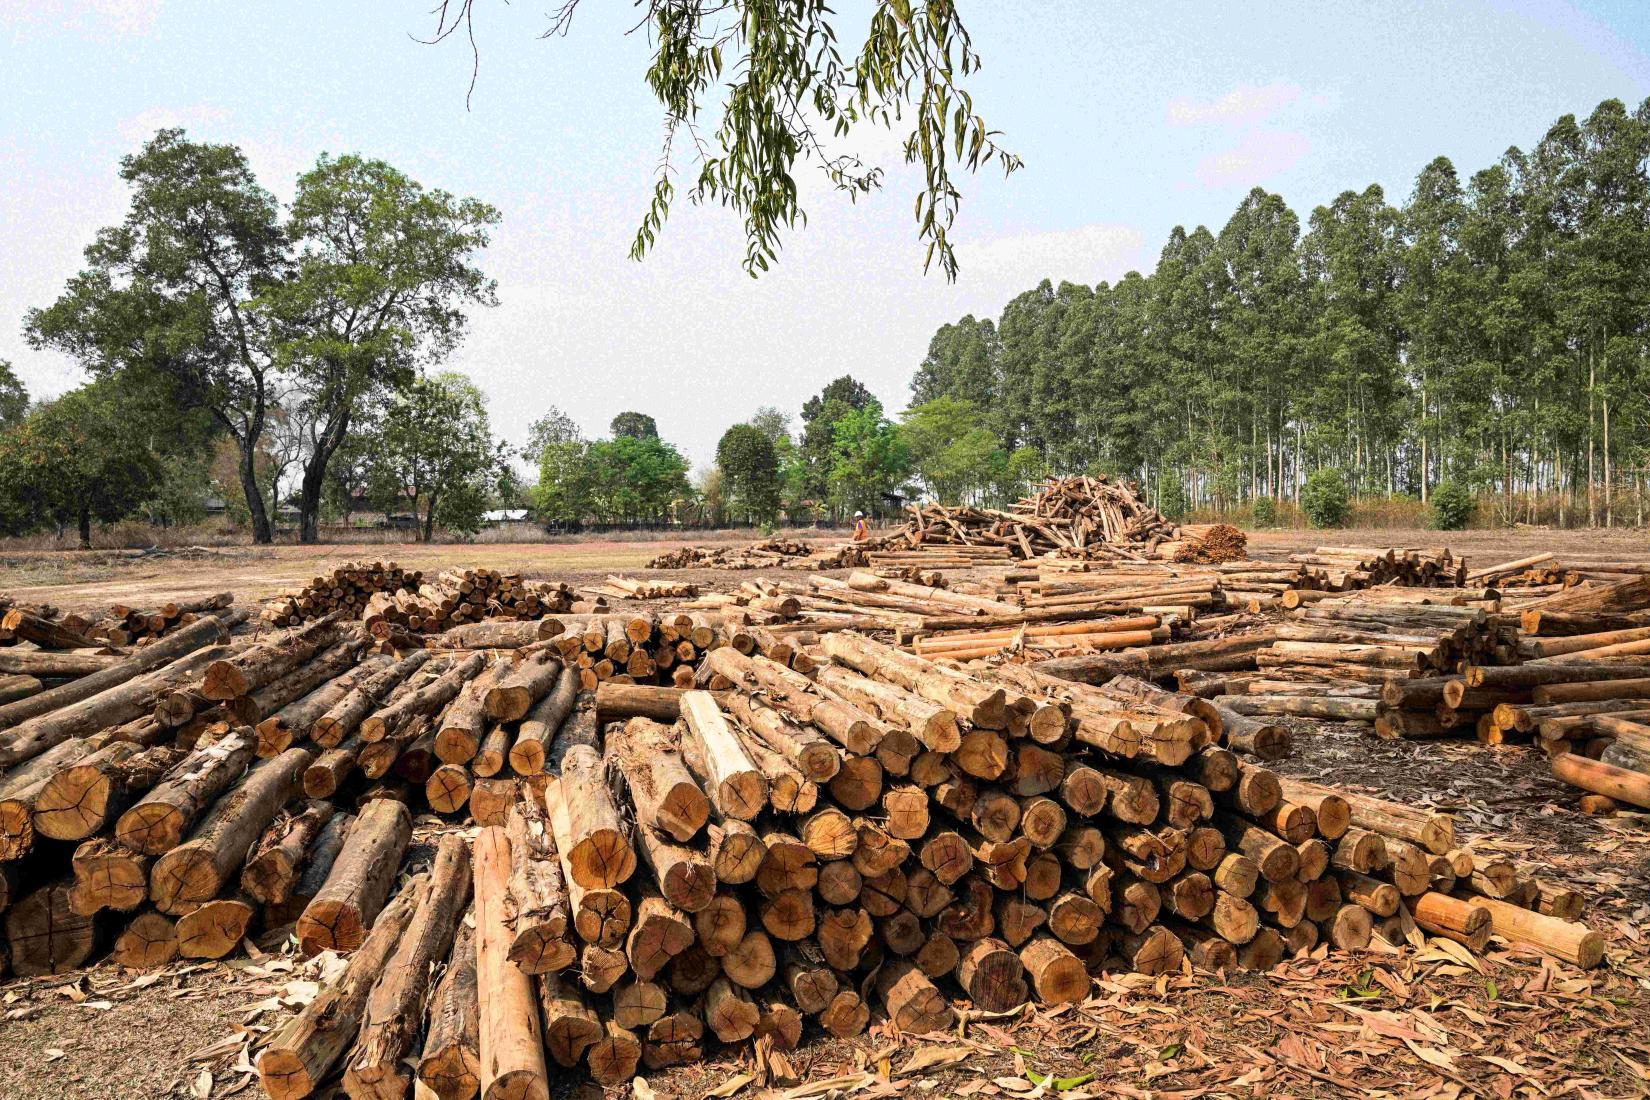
504 515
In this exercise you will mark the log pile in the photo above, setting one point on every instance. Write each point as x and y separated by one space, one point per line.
126 625
630 588
748 819
771 553
381 593
1362 567
771 853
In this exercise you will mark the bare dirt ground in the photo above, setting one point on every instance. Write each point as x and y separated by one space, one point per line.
1429 1020
93 578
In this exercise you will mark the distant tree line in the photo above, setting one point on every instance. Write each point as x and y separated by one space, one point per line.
1491 334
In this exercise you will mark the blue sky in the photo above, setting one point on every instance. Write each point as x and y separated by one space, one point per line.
1131 117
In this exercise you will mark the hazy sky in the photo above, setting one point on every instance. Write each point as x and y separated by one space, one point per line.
1131 117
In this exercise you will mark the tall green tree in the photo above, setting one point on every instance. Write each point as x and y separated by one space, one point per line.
820 414
383 275
76 459
952 450
634 425
178 289
14 397
750 471
869 460
435 446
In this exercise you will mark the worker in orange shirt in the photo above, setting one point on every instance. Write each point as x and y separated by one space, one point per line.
862 532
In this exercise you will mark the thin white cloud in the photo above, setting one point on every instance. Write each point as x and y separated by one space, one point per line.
1260 155
1242 106
141 126
101 17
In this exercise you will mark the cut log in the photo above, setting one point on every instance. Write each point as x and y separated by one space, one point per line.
511 1045
450 1066
158 822
303 1050
736 786
601 855
340 915
198 869
382 1064
914 1004
46 936
537 731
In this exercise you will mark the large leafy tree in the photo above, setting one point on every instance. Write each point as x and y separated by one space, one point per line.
552 429
77 459
633 425
820 414
177 290
435 446
750 471
870 460
791 95
384 272
952 450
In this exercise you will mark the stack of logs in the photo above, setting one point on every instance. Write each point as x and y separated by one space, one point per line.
743 828
380 593
346 588
728 862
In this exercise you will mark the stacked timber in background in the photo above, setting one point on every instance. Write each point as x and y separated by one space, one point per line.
770 553
384 593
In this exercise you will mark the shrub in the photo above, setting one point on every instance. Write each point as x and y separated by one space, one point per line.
1264 512
1325 498
1452 505
1171 498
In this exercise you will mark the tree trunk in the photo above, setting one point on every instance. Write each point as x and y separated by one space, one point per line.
85 519
304 1049
314 479
261 530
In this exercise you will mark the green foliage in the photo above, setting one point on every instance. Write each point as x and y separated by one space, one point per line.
1171 497
565 493
634 425
553 427
1452 506
952 450
1264 512
74 460
621 480
820 415
435 445
14 398
790 94
750 471
869 460
1325 498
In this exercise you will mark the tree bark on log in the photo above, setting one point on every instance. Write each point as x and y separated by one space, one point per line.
304 1049
450 1065
339 916
157 823
381 1065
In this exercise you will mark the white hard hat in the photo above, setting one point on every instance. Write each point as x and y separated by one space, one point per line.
859 515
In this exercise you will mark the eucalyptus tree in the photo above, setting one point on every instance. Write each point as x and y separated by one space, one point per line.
790 95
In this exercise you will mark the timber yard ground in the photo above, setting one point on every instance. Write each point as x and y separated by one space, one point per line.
1428 1022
